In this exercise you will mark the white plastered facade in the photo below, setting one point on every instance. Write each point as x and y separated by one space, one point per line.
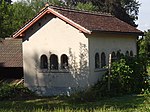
51 35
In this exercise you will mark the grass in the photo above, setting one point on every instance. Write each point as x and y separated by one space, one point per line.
132 103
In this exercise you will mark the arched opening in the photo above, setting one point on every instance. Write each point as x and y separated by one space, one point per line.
64 61
118 54
53 62
113 56
103 60
97 61
127 53
43 62
131 53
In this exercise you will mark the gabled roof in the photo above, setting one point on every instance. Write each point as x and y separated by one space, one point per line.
86 22
11 53
99 21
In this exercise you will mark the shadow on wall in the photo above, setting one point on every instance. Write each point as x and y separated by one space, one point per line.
61 81
79 70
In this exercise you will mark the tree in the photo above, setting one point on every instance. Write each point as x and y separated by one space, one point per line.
7 1
5 19
22 12
86 6
144 44
125 10
37 5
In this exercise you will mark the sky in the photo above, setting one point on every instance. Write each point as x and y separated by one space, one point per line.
144 15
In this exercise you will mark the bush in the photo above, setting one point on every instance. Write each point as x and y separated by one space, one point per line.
120 77
128 76
8 91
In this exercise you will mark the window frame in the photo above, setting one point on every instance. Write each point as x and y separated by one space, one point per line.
43 62
54 60
131 53
127 53
64 60
103 60
97 60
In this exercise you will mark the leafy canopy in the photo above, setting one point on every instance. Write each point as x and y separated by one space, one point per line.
5 19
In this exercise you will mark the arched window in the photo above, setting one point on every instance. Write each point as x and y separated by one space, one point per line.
127 53
53 62
43 62
64 61
103 60
118 54
131 53
113 56
97 61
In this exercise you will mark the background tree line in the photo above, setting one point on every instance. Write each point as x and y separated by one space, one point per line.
13 16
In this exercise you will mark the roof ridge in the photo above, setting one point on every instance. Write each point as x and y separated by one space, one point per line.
80 11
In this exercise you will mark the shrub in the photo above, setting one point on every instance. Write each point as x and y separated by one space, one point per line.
128 76
8 91
121 75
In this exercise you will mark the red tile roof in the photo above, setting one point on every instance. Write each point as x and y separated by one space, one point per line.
86 22
98 21
11 53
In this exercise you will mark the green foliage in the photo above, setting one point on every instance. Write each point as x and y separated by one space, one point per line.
13 16
128 76
5 19
8 91
86 6
144 43
120 77
37 5
22 12
126 10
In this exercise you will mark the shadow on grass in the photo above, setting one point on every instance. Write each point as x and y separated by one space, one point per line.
52 103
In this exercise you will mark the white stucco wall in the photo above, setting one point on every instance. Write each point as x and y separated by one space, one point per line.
107 43
54 36
51 35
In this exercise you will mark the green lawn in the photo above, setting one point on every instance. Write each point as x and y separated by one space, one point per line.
134 103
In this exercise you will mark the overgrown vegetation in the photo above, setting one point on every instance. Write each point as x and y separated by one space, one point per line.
128 76
9 92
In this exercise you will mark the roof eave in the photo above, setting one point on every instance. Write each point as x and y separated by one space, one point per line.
48 10
140 33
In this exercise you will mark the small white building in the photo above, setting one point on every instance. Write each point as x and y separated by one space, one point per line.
66 50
